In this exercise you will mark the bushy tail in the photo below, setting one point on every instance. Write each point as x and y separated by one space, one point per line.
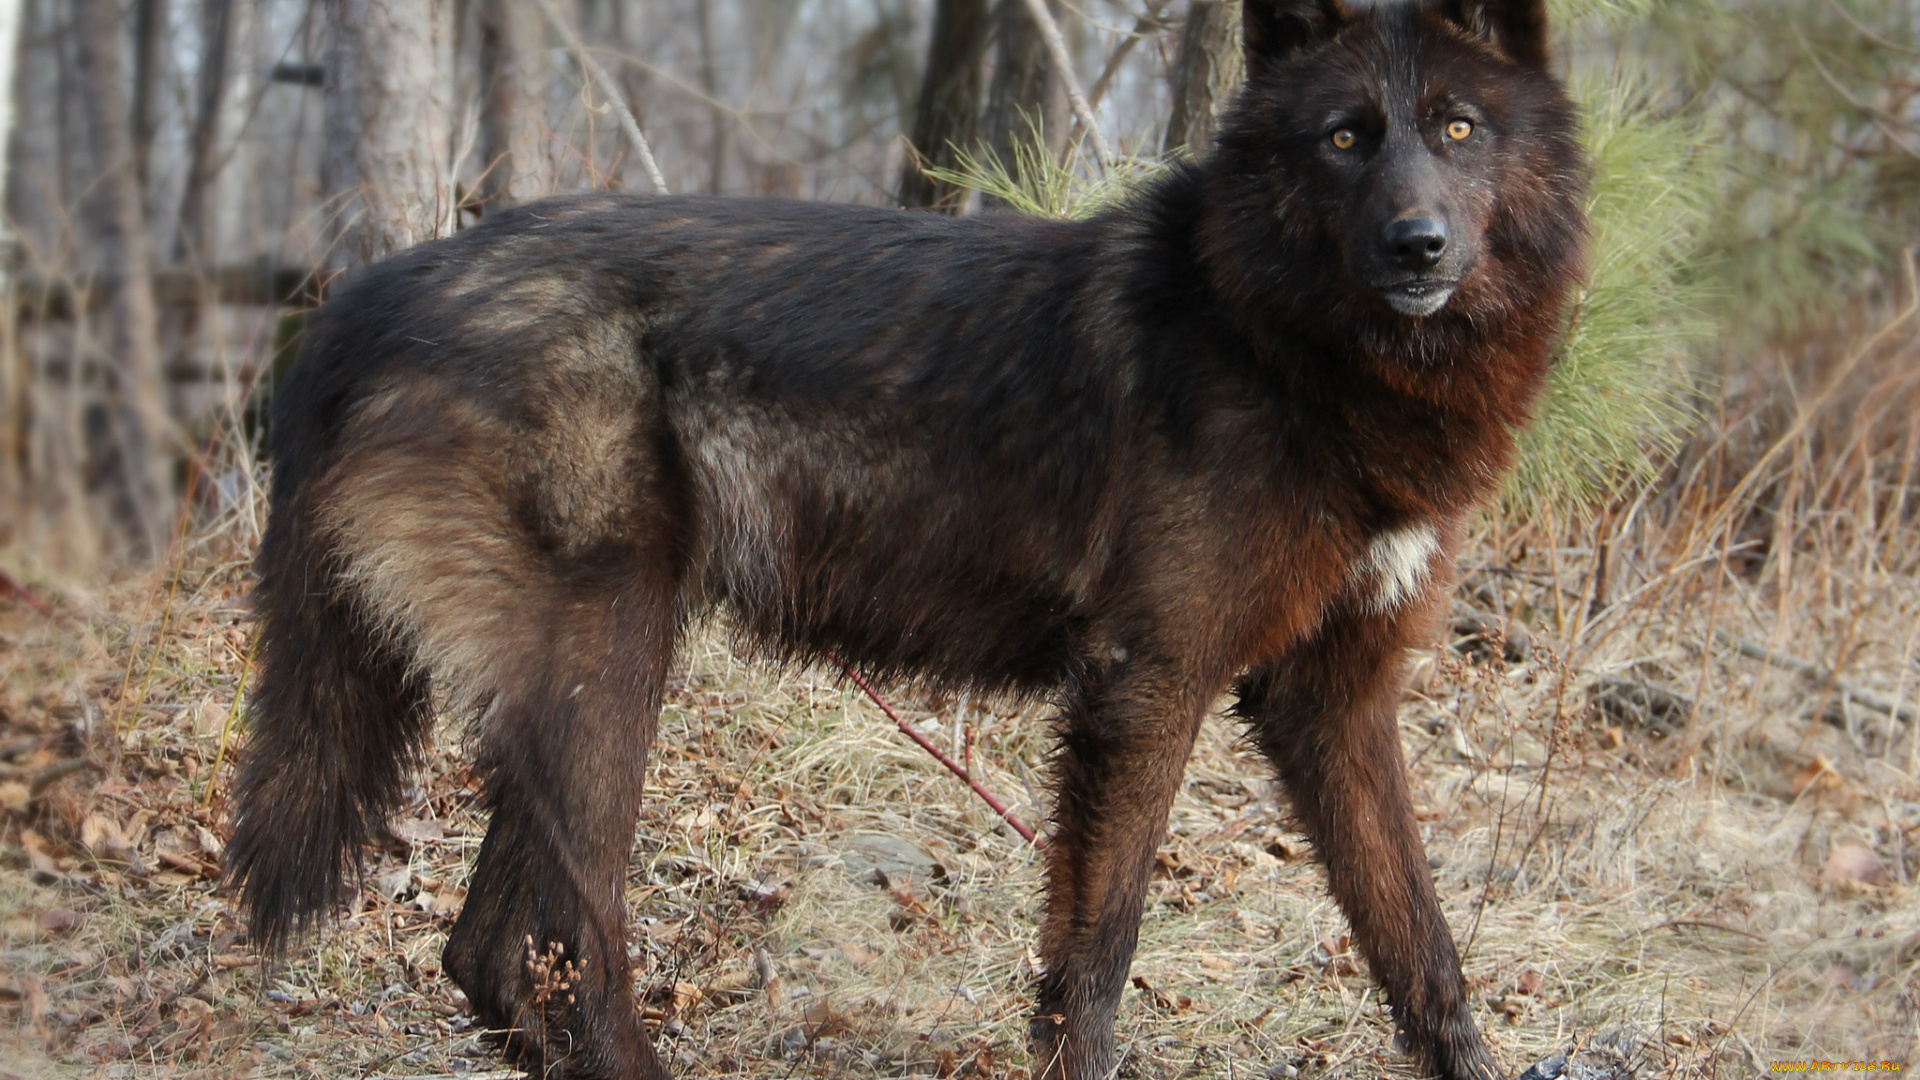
338 717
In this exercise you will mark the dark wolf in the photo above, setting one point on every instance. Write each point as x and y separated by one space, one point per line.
1223 436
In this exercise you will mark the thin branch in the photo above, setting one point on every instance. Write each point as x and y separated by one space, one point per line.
1063 63
1881 118
1148 25
926 744
11 584
1868 33
608 87
1814 673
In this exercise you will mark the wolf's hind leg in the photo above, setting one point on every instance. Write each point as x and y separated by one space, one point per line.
563 753
1325 717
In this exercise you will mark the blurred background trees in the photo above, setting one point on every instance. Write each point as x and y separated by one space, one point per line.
184 176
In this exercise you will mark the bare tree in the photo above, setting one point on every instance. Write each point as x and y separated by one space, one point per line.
512 124
1205 73
126 278
1025 95
149 18
710 83
946 115
387 146
13 381
195 238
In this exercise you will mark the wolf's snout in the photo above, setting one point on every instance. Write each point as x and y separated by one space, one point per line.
1416 243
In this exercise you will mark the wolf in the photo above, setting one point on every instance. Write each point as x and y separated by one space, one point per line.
1219 438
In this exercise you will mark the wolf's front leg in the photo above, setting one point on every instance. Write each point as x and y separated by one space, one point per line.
1325 717
1123 750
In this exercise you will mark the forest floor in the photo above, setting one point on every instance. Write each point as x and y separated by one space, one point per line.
1655 849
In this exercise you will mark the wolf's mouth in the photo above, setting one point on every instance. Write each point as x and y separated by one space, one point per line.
1416 298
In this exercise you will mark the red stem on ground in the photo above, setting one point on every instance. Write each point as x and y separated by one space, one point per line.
9 583
926 744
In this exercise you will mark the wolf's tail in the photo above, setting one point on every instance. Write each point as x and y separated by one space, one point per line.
338 717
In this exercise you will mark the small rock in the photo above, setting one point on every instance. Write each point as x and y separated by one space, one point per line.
1551 1067
1476 633
1660 712
393 884
890 856
417 831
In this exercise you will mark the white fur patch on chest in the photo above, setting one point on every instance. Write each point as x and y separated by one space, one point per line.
1396 565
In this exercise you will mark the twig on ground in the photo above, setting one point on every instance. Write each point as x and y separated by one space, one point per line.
39 781
608 87
926 744
11 584
1815 673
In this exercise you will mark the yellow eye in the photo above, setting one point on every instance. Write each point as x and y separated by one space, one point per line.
1459 128
1345 138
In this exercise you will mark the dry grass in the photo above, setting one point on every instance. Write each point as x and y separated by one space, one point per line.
1732 883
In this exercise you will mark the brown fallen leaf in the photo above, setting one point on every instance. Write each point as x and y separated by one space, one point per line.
39 855
1817 774
732 981
686 998
1512 1006
1166 1001
820 1019
103 836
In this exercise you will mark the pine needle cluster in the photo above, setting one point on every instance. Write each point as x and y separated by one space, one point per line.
1619 397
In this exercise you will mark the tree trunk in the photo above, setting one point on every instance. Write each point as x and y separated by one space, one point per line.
1024 94
387 148
149 18
710 83
1204 75
144 442
13 374
512 117
945 117
195 241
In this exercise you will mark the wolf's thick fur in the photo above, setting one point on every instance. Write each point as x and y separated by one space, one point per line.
1223 436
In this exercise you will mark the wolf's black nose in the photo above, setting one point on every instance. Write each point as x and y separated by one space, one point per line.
1416 243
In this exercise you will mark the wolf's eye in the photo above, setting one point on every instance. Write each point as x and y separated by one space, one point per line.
1344 138
1459 128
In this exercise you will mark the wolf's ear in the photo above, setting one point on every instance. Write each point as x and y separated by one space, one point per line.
1518 28
1276 29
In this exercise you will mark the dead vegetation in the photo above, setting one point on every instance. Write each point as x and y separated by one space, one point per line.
1663 851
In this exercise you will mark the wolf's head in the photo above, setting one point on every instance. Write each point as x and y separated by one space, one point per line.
1398 167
